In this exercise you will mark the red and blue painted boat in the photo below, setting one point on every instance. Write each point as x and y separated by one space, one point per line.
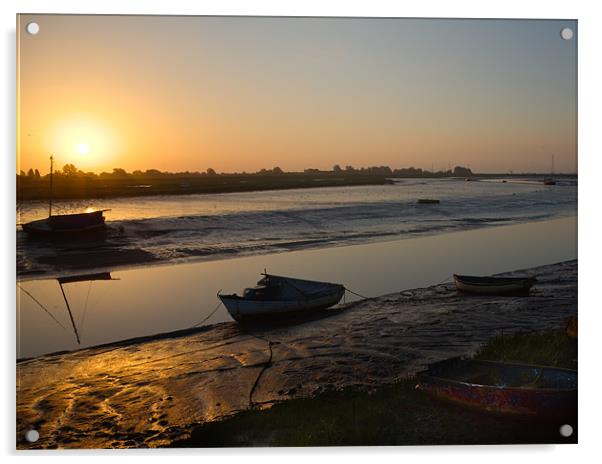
513 389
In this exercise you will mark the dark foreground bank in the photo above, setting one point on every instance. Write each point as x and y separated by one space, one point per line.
399 414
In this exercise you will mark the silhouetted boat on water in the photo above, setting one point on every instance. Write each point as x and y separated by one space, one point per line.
494 285
278 296
550 180
65 224
428 201
515 389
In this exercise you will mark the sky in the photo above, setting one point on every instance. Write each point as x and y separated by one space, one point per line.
240 94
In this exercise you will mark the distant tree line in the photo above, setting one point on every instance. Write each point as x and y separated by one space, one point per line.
386 171
71 171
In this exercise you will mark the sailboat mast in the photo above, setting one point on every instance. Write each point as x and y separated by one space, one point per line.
50 198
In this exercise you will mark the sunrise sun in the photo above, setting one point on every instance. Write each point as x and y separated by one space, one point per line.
82 148
87 142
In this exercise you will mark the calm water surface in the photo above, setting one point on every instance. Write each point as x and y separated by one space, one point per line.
155 299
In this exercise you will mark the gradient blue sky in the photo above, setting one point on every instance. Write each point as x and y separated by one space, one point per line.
239 94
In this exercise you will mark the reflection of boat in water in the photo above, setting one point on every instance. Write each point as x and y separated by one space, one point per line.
70 225
69 280
428 201
516 389
277 296
494 285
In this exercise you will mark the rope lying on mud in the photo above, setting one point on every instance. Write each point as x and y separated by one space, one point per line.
265 366
268 363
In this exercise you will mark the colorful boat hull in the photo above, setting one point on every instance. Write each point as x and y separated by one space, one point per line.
509 389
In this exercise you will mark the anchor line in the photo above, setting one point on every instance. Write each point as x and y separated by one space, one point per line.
42 306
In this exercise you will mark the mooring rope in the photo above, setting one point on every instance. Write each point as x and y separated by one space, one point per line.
356 294
206 318
41 306
445 280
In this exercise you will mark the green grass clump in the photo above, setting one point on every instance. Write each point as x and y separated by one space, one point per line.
551 348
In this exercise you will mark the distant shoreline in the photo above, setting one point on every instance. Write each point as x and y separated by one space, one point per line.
82 188
79 188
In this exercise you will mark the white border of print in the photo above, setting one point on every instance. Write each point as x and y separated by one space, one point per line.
590 169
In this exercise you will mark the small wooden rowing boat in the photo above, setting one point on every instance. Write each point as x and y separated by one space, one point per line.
277 296
494 285
516 389
428 201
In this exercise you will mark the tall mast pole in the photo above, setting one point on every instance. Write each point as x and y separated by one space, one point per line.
50 199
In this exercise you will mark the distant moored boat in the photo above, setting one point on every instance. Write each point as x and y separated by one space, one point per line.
428 201
277 296
550 180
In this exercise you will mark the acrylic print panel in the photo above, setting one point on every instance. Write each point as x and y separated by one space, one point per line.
242 231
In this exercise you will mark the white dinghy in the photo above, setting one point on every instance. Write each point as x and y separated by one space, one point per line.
278 296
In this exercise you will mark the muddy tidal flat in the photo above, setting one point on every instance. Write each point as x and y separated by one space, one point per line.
151 391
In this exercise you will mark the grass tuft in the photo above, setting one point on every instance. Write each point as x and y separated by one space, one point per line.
552 348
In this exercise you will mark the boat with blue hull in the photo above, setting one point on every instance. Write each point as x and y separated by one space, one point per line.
279 296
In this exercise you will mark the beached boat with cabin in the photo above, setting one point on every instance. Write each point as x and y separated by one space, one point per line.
513 389
279 296
494 285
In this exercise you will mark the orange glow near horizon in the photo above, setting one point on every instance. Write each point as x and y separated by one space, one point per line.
82 141
241 94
